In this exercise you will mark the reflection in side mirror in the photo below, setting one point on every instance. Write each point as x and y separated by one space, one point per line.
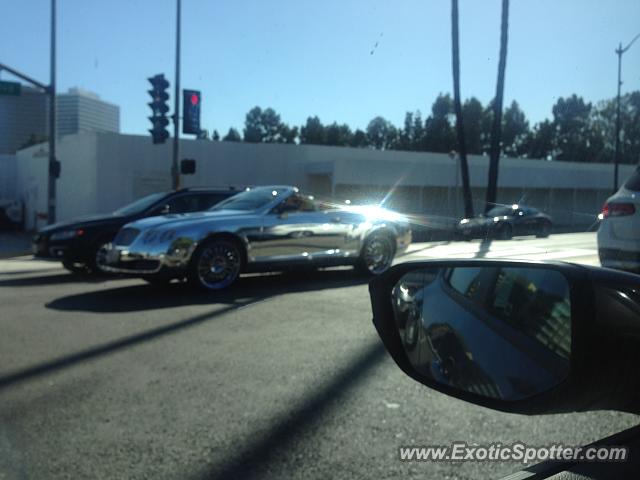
498 332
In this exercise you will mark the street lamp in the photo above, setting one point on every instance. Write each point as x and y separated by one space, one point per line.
616 157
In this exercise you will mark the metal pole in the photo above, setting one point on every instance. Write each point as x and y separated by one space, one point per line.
51 195
175 174
616 156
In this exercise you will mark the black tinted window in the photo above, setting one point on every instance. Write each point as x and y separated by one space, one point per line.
208 200
184 204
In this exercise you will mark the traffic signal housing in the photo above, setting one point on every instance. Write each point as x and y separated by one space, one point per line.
191 100
159 108
188 166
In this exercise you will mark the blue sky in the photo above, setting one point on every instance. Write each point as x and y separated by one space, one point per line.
314 58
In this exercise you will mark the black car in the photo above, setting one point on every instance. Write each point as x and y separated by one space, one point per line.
504 222
79 242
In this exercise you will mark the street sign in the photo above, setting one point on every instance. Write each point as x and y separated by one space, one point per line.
9 88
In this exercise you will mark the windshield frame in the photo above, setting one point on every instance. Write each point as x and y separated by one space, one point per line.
282 194
140 205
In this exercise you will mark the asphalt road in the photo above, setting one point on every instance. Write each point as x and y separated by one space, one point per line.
281 377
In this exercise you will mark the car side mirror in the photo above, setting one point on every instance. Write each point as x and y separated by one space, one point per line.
515 336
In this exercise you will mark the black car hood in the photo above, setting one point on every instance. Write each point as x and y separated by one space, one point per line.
86 221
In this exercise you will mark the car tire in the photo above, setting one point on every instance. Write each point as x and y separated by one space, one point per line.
376 255
216 264
545 230
74 267
96 258
505 232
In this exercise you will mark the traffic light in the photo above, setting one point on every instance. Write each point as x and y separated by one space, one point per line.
188 166
159 108
191 111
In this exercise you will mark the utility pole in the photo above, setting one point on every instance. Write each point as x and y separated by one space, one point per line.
54 169
175 173
616 157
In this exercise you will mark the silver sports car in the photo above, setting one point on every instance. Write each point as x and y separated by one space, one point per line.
261 229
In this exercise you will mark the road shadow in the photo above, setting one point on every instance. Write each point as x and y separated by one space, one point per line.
428 247
485 247
141 297
54 279
254 459
97 351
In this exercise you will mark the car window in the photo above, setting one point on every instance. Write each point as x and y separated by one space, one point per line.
208 200
250 200
535 302
184 204
297 203
140 205
465 281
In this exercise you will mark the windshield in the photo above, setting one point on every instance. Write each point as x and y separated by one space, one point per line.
140 205
500 211
251 200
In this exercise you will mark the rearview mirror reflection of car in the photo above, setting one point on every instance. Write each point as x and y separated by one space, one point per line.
514 336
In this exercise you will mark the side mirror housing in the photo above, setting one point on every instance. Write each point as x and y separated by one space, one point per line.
521 337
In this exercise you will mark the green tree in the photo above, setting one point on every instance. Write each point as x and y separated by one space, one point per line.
439 135
539 142
232 136
265 126
338 135
572 121
515 129
406 136
215 136
381 134
359 139
603 122
472 112
313 132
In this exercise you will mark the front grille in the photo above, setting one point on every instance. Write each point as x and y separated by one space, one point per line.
138 265
126 236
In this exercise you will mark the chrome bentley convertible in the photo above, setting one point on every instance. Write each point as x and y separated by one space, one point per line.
261 229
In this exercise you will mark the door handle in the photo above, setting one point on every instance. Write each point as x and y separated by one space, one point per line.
335 220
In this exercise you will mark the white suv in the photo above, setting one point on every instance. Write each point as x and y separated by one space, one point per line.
619 231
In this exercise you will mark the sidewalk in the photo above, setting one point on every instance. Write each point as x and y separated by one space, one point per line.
13 244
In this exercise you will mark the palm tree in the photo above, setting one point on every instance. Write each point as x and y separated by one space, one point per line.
462 145
496 128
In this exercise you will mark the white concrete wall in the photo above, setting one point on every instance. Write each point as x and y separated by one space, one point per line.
103 171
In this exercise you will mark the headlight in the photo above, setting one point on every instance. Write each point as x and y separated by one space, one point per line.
66 234
463 221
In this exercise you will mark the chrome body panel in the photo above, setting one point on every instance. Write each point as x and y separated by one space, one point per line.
166 244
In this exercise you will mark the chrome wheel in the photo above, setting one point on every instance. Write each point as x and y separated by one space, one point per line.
218 265
100 257
377 254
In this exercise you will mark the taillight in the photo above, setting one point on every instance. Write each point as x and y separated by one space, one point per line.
617 210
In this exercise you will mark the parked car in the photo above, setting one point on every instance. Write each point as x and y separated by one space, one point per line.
80 242
619 229
505 221
260 229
